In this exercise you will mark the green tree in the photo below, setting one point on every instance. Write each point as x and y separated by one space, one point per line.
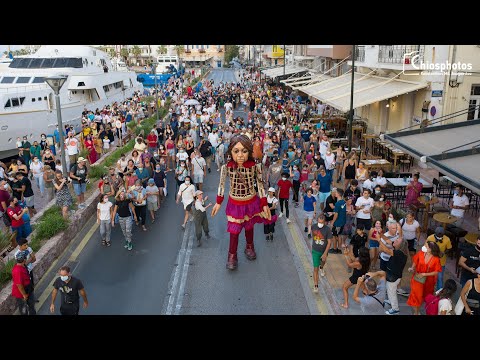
179 49
111 51
162 50
231 51
125 52
136 51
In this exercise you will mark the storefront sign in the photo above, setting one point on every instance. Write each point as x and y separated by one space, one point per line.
437 93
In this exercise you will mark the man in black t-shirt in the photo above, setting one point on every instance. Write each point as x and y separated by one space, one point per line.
469 261
330 206
353 190
26 185
394 271
69 287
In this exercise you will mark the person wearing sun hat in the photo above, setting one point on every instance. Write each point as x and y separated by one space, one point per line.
272 201
200 216
78 174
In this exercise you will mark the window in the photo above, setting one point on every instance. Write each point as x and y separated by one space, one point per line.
22 80
39 98
33 99
36 63
106 88
81 83
7 104
15 102
60 63
8 80
38 80
22 99
475 90
48 63
45 98
196 46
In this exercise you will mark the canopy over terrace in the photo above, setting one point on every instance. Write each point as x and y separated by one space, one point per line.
368 89
278 71
452 149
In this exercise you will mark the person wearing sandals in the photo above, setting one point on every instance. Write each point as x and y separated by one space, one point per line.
125 209
360 266
152 198
104 218
186 192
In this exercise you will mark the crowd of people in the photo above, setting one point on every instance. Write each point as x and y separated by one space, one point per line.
345 211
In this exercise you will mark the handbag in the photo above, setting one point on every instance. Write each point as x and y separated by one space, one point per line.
421 280
460 306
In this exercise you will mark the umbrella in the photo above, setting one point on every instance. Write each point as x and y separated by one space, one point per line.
191 102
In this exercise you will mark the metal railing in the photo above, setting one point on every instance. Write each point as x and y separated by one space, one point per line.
360 53
394 54
23 89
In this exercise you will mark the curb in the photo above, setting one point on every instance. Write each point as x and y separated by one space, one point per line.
51 250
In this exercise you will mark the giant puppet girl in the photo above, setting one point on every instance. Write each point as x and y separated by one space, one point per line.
244 207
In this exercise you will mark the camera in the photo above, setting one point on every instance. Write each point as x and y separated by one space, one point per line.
366 277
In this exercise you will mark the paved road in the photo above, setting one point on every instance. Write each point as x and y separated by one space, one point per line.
167 273
222 75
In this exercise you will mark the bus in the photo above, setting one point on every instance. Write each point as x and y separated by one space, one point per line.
164 62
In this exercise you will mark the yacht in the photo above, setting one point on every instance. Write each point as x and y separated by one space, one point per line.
27 103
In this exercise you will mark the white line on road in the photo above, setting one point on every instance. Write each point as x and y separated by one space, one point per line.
174 279
183 281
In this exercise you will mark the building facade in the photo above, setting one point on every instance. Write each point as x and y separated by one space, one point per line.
198 55
445 93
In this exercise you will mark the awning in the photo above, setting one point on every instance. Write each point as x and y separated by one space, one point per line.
298 82
368 89
452 149
278 71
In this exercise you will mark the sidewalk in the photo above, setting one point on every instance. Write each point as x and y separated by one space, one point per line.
336 271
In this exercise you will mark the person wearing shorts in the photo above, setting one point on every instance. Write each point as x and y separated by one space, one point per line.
78 174
309 203
322 240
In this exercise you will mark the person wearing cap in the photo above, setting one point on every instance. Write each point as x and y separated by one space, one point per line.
200 216
78 174
272 201
469 262
444 244
22 287
321 243
28 254
152 192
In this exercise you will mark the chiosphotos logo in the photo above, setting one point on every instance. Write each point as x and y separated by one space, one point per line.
414 64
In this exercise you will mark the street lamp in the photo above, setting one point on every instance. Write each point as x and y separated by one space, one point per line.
154 69
56 83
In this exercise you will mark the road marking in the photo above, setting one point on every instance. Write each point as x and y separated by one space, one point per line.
175 277
72 258
186 264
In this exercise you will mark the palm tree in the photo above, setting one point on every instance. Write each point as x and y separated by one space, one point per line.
125 52
136 51
112 52
179 49
162 50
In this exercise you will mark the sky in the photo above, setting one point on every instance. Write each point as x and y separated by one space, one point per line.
12 47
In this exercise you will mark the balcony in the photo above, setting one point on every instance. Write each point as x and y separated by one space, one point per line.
399 54
188 51
360 53
202 50
219 49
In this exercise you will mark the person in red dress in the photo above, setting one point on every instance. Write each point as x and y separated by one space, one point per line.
90 146
245 207
426 266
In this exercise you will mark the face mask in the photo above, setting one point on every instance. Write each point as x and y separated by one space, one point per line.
284 178
295 168
377 191
19 163
64 278
320 225
381 199
373 179
43 137
424 248
5 187
36 160
187 182
455 192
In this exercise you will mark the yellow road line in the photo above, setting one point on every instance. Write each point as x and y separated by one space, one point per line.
84 242
73 257
308 267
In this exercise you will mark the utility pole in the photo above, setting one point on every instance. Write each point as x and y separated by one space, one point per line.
350 120
284 51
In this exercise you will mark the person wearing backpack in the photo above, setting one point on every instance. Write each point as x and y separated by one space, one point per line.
440 303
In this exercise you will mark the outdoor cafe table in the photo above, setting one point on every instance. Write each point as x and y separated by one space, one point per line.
427 201
380 163
444 218
399 182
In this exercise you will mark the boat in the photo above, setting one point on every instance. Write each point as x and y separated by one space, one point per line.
27 103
